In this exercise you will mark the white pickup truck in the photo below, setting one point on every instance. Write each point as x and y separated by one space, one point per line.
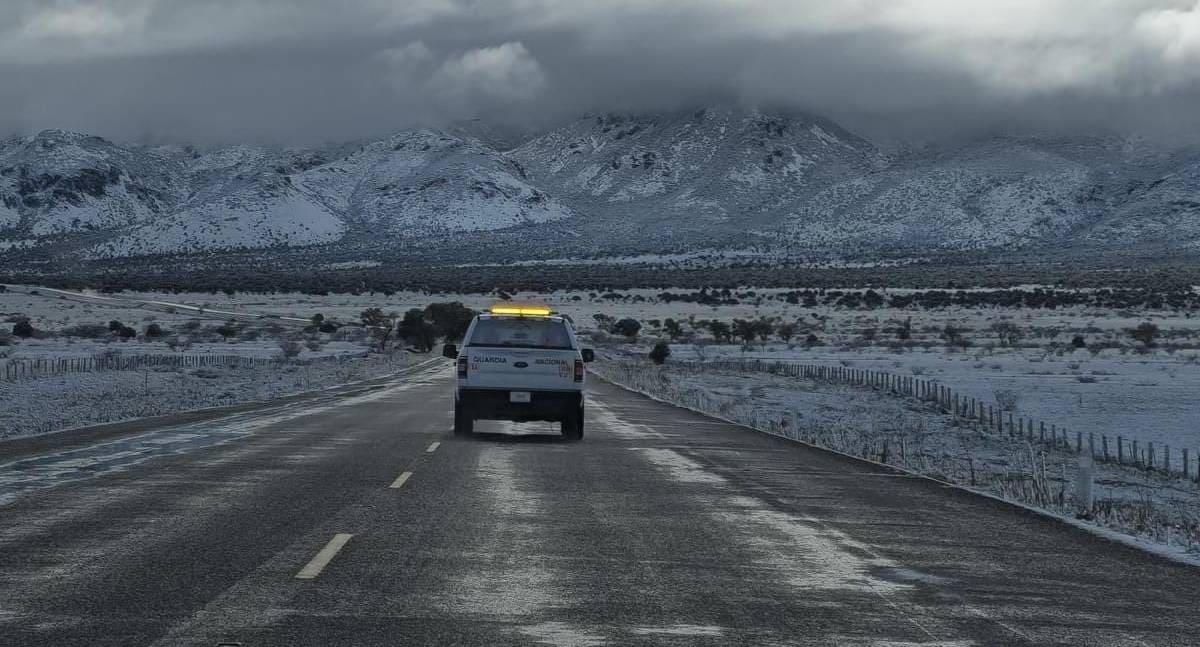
520 363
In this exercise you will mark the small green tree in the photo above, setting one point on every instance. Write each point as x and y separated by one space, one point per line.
380 325
745 330
785 332
720 331
415 329
673 329
763 329
660 352
450 320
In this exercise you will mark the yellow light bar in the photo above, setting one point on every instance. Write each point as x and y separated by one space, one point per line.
520 311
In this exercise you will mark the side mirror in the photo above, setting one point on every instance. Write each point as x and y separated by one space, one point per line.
450 351
588 354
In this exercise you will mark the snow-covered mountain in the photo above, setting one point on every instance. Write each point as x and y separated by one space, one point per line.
714 179
713 167
108 200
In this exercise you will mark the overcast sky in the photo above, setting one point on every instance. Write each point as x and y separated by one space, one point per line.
305 71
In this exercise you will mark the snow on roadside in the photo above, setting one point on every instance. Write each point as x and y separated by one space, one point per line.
1153 509
78 399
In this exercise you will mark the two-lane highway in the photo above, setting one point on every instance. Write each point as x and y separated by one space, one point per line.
360 520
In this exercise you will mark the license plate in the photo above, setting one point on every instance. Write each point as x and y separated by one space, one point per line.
519 396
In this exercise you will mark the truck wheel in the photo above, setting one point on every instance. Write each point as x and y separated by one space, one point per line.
464 424
572 426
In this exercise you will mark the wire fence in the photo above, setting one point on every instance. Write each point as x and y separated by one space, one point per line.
23 369
985 417
1153 502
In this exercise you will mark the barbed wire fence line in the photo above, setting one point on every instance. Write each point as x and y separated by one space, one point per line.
1027 461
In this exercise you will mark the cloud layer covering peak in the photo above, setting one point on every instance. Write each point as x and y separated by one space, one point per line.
299 71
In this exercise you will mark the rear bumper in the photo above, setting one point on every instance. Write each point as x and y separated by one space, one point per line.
494 404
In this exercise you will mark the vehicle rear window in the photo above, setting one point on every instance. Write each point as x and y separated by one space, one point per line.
521 333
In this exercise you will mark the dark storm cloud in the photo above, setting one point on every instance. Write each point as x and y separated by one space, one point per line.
299 71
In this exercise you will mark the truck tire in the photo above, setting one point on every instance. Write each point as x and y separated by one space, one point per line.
464 424
572 426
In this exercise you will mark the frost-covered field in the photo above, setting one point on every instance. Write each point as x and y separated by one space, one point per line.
80 399
291 358
1114 385
1153 397
1154 508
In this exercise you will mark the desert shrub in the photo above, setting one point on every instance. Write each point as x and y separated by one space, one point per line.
604 322
153 331
313 345
627 327
87 331
179 342
23 329
289 349
1007 332
1078 342
350 334
812 340
954 336
1086 379
1007 399
1146 333
660 352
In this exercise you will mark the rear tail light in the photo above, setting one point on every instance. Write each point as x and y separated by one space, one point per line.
578 370
462 366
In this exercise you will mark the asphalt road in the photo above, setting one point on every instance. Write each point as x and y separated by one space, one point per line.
358 519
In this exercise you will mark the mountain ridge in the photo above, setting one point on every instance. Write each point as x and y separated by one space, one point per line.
718 178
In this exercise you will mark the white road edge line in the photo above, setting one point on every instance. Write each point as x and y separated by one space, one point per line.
400 480
433 447
318 563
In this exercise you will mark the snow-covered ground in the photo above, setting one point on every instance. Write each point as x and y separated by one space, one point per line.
66 401
1118 391
1153 397
1150 507
68 328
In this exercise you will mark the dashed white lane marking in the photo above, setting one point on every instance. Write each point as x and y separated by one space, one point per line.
400 480
318 563
433 447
